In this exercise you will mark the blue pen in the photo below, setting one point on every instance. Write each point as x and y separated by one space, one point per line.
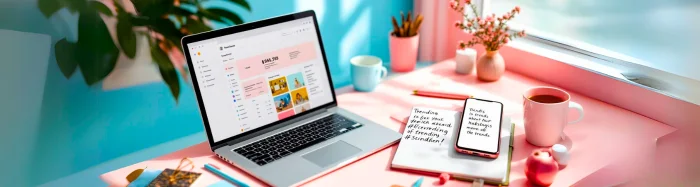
418 182
218 172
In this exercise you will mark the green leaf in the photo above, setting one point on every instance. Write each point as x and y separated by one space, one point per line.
241 3
231 16
160 56
65 57
205 13
167 28
98 53
170 78
49 7
167 70
101 8
139 21
196 26
152 8
180 11
126 35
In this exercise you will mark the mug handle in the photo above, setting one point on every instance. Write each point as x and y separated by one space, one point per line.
578 107
383 72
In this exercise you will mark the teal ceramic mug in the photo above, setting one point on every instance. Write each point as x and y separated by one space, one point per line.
367 72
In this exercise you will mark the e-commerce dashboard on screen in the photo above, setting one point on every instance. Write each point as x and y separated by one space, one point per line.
254 78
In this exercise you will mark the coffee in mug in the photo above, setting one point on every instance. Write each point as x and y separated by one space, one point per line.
546 99
546 112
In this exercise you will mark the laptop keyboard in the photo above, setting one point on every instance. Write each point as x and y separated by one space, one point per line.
296 139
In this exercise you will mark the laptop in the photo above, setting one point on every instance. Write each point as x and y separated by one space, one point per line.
268 104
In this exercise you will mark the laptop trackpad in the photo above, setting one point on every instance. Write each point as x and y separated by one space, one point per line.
332 153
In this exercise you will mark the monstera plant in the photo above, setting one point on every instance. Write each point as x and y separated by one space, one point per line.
162 22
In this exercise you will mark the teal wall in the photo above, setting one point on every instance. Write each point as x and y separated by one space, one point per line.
80 126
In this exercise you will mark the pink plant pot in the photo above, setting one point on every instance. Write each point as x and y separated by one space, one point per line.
403 52
490 66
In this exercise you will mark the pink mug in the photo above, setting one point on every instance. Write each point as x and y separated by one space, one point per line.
546 115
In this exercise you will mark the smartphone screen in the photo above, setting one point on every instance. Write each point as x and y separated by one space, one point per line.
481 126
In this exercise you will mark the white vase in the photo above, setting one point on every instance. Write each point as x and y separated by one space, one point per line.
131 72
465 60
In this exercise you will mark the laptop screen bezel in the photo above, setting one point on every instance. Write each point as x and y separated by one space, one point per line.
241 28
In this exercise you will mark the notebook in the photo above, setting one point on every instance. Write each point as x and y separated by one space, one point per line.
427 145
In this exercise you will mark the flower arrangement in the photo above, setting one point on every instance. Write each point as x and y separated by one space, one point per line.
490 31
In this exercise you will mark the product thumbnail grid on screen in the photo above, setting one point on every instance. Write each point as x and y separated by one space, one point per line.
289 92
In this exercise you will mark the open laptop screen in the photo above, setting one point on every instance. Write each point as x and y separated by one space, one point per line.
256 77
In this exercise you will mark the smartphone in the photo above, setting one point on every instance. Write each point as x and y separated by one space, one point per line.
480 131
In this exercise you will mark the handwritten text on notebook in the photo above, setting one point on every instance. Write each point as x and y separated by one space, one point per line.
427 126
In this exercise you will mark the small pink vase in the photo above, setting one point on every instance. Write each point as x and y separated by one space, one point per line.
490 66
403 52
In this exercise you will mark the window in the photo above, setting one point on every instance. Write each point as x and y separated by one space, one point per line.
641 36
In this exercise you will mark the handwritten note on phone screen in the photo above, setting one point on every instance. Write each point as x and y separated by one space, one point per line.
480 126
429 126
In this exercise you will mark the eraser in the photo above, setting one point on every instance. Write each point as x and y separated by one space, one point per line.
444 177
561 154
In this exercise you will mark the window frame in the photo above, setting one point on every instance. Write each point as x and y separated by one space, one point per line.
602 61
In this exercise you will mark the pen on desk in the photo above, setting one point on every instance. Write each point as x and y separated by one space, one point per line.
418 183
218 172
444 95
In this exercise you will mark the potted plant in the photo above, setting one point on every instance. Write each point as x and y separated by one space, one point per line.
403 42
162 22
490 31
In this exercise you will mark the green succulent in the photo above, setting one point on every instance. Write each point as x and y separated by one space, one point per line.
96 53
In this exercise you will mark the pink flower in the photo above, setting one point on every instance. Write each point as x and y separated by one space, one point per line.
489 18
467 1
469 24
458 23
505 41
482 22
454 4
507 16
517 9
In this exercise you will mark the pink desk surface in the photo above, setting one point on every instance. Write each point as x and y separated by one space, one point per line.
610 146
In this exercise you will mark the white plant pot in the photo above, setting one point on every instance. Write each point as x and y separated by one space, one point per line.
131 72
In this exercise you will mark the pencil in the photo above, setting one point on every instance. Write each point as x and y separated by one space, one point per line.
443 95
